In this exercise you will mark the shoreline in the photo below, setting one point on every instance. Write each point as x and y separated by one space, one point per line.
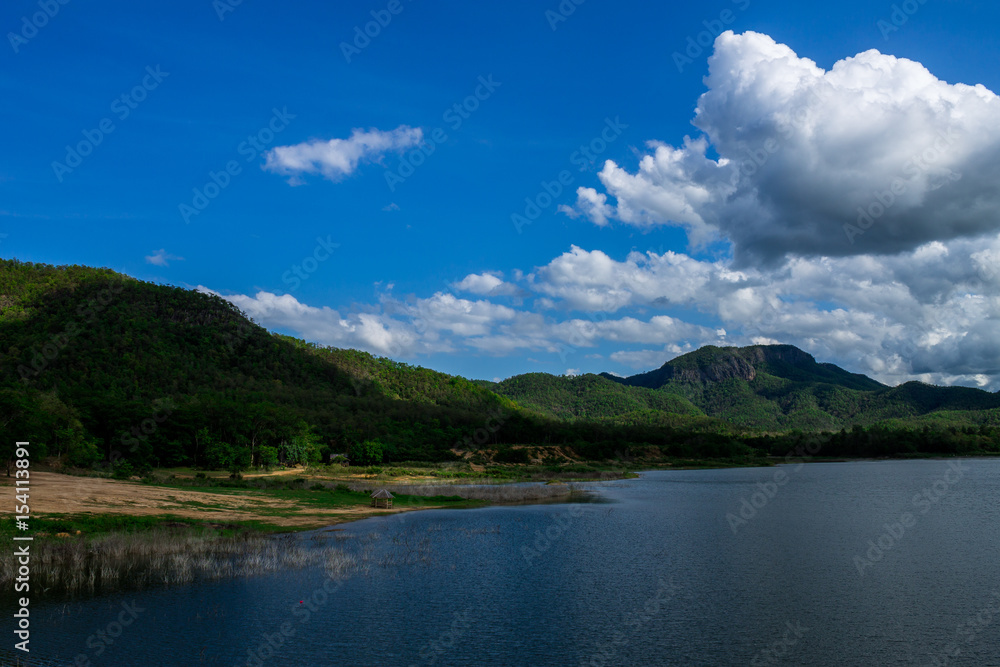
129 541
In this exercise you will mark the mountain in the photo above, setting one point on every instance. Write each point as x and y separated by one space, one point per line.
716 364
91 355
96 366
780 387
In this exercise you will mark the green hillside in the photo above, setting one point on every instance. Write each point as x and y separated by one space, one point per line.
96 367
780 388
89 355
587 397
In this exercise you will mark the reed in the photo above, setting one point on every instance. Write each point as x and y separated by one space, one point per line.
117 561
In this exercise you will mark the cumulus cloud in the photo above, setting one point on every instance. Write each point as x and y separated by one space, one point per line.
591 204
593 281
486 284
875 155
927 314
337 158
162 258
372 332
643 360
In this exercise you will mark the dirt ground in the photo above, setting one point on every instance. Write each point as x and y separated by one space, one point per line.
67 494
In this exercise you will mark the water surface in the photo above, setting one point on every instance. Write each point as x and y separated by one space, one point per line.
666 572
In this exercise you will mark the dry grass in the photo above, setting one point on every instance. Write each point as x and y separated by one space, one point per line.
163 557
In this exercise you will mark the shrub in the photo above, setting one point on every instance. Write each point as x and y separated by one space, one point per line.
123 470
83 453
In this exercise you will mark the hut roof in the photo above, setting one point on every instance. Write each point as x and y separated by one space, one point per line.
382 493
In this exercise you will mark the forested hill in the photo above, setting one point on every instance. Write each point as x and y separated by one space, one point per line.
588 397
98 365
95 366
90 355
780 387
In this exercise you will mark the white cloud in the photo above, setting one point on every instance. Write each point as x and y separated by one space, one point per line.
927 314
372 332
802 149
591 280
931 310
644 360
486 284
591 204
337 158
162 258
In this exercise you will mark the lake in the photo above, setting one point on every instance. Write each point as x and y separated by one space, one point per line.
859 563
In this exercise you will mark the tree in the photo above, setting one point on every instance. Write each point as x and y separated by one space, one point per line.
268 456
301 448
239 460
217 455
81 452
368 452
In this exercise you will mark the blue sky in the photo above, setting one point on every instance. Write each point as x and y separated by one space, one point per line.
432 270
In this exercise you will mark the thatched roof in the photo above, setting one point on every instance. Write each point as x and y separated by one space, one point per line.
382 493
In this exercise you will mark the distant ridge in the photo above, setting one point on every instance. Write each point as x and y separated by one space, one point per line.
716 364
95 365
780 387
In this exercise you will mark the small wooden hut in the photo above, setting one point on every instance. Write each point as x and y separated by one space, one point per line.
382 498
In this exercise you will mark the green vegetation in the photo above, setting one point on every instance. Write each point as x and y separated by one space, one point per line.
101 370
588 397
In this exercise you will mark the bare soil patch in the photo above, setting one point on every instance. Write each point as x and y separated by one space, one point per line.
53 493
